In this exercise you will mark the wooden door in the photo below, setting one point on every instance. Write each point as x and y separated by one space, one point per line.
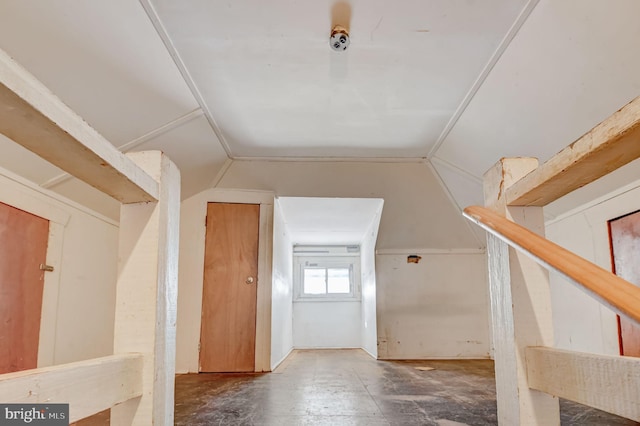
625 251
23 247
228 330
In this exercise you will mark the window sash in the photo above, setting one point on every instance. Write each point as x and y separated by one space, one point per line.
330 282
331 275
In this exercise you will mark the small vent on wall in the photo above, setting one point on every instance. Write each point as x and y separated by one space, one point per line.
326 250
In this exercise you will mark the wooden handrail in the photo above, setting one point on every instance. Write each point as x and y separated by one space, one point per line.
605 148
620 295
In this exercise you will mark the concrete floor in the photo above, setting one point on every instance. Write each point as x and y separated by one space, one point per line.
348 387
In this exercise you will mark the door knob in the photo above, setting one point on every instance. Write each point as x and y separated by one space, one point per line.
250 280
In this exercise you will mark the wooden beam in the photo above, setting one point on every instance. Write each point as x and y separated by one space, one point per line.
147 292
87 386
608 383
35 118
520 305
605 148
609 289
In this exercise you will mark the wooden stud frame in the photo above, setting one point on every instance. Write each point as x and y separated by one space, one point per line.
147 289
520 305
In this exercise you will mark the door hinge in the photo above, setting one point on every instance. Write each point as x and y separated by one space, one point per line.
47 268
198 346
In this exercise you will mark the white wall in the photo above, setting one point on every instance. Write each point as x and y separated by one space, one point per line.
369 339
434 309
282 290
417 216
327 324
581 323
79 296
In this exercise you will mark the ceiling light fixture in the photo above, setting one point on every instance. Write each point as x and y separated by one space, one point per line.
339 40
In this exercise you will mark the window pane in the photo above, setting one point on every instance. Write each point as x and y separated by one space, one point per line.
338 280
314 281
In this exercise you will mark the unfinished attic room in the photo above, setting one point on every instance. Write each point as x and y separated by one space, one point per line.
340 212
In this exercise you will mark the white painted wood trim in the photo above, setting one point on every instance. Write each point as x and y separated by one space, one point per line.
38 205
50 295
608 383
168 43
332 159
87 386
265 256
264 294
35 118
280 362
477 84
241 196
595 202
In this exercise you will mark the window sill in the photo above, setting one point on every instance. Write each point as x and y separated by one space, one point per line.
326 299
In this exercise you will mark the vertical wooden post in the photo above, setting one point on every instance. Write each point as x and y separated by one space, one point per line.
147 289
520 304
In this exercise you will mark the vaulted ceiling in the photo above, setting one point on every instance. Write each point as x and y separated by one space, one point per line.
455 83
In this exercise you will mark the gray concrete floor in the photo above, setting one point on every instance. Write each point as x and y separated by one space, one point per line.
348 387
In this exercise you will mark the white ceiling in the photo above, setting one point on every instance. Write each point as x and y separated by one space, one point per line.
328 221
460 83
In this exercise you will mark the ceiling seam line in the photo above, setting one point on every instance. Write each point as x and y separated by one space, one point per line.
452 200
335 159
183 119
63 177
456 169
173 52
221 173
484 74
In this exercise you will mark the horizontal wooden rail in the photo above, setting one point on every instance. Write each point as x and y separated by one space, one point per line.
620 295
35 118
608 383
87 386
605 148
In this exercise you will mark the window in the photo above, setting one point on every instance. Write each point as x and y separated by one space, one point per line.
326 281
327 277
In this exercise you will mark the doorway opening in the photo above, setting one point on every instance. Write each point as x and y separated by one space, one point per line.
324 288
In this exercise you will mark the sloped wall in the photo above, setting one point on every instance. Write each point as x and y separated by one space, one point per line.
417 213
580 323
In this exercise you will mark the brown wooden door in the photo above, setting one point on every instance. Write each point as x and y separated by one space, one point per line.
228 331
625 251
23 247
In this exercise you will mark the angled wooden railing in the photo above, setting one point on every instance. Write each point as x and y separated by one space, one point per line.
610 383
530 374
607 288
